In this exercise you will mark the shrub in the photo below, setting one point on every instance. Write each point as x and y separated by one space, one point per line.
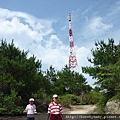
10 104
68 99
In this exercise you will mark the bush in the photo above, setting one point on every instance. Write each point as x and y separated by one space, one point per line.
10 104
68 99
102 103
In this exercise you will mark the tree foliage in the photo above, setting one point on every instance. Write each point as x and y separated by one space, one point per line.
22 77
106 67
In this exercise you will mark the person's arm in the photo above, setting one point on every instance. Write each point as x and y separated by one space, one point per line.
25 111
49 111
61 109
35 112
49 108
48 116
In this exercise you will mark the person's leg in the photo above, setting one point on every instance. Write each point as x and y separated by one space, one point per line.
29 118
53 117
32 118
59 117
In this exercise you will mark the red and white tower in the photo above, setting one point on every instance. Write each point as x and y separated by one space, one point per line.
72 57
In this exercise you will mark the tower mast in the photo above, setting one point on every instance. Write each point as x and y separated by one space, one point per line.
72 57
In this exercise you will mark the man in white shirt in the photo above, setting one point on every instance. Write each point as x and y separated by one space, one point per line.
30 110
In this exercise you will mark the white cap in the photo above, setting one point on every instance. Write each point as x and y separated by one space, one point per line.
54 96
31 99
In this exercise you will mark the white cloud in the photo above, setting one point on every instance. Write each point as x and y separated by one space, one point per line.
82 55
53 41
30 33
97 26
38 36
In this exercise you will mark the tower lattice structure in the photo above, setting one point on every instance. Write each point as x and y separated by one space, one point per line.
72 57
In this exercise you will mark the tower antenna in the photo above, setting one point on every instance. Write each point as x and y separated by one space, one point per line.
73 65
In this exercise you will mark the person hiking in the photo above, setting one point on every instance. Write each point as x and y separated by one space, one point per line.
55 109
30 109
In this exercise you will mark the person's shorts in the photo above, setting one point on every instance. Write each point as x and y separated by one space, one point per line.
30 118
55 117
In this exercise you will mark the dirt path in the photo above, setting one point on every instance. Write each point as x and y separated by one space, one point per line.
80 109
76 109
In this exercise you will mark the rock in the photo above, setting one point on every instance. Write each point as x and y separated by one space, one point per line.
113 107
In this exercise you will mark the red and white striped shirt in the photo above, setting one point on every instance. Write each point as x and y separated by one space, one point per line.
55 108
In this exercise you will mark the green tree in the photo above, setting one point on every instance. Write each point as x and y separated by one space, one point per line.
51 74
11 69
18 73
71 82
105 66
51 78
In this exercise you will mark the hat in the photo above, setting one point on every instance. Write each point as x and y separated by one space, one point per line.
54 96
31 99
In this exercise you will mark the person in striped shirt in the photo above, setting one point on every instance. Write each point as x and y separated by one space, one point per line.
55 109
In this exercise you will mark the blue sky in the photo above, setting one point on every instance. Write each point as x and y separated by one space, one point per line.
41 26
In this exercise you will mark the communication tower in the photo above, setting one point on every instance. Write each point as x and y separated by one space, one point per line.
72 57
